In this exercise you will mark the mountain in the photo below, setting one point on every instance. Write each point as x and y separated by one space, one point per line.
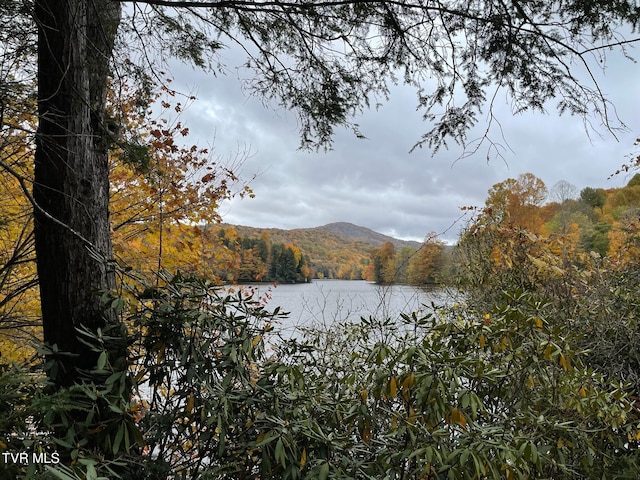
337 250
365 235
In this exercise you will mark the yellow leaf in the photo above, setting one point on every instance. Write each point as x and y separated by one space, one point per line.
256 340
456 416
530 382
411 379
412 416
565 362
366 433
190 403
482 341
538 322
462 420
363 395
303 459
406 386
393 386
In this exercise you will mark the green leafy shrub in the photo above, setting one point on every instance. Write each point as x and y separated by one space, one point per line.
454 393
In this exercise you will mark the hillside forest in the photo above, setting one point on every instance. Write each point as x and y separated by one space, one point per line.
591 220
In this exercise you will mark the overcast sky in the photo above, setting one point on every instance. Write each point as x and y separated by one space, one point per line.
376 182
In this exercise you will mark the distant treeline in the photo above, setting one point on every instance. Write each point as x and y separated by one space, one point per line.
423 266
257 259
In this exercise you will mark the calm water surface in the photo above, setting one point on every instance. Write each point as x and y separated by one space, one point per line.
323 302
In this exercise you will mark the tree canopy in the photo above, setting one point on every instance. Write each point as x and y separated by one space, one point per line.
328 60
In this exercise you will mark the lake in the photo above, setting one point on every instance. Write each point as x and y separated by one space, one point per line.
323 302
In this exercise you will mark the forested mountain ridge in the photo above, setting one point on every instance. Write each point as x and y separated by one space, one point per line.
337 250
365 235
344 231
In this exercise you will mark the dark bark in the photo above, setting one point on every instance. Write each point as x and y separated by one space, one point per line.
71 188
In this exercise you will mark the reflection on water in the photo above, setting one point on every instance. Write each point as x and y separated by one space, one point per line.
323 302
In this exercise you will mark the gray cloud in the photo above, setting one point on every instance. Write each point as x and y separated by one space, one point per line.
376 182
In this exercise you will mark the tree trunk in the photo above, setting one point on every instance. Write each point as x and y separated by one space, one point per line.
71 188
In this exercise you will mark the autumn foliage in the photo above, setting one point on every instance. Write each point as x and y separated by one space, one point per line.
531 373
164 195
19 303
517 235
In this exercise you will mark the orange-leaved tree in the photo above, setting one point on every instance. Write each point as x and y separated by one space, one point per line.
163 198
517 200
164 194
426 264
19 297
19 300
